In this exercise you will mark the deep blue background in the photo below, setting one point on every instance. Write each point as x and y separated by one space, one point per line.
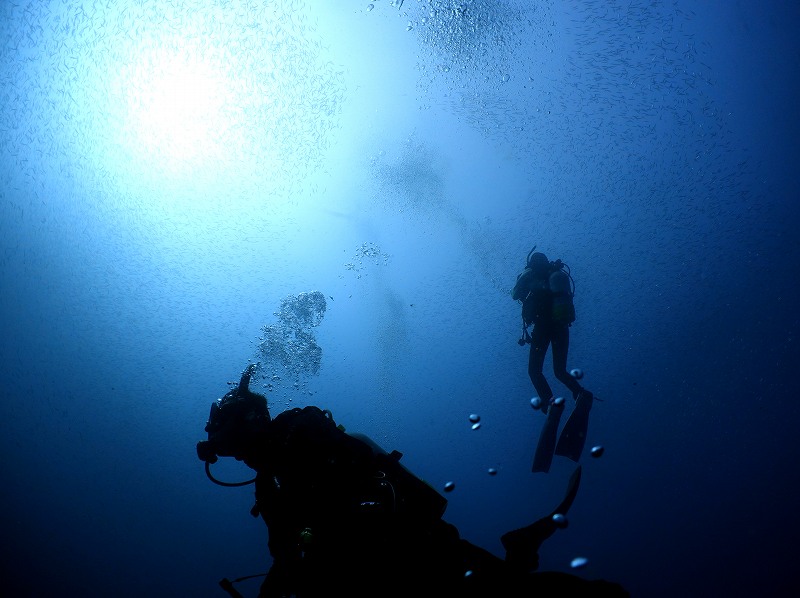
401 160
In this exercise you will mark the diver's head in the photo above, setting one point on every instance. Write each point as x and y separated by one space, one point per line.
539 263
236 422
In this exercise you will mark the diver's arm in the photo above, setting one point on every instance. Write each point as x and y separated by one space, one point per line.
244 382
521 287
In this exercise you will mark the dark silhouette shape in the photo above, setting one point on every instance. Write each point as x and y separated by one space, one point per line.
522 545
545 447
546 290
347 518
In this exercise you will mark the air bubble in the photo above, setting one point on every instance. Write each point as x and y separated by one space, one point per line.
579 562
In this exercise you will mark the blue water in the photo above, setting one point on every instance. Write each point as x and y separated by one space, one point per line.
173 171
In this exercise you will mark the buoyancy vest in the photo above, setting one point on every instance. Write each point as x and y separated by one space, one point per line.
547 298
538 303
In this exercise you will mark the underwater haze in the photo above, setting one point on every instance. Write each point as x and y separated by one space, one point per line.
344 193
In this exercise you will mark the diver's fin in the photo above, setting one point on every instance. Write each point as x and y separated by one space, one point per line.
522 545
547 439
573 436
572 492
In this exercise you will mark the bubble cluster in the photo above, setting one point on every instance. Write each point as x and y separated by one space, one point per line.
306 310
464 38
365 254
289 346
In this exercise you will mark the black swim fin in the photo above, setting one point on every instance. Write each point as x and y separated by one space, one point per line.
572 492
522 545
573 436
543 456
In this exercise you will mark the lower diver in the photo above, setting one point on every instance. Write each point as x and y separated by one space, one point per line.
347 518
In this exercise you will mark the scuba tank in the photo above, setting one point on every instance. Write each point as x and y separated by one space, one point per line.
563 290
412 496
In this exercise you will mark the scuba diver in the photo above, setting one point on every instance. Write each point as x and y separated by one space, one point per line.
546 290
344 517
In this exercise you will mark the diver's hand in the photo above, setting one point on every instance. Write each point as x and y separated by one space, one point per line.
244 383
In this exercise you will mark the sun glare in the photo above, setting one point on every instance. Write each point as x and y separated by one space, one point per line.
220 100
181 107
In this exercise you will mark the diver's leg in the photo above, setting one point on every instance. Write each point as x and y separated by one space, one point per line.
560 341
573 436
546 445
540 340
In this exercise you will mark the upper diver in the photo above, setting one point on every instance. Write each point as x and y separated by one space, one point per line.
546 290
